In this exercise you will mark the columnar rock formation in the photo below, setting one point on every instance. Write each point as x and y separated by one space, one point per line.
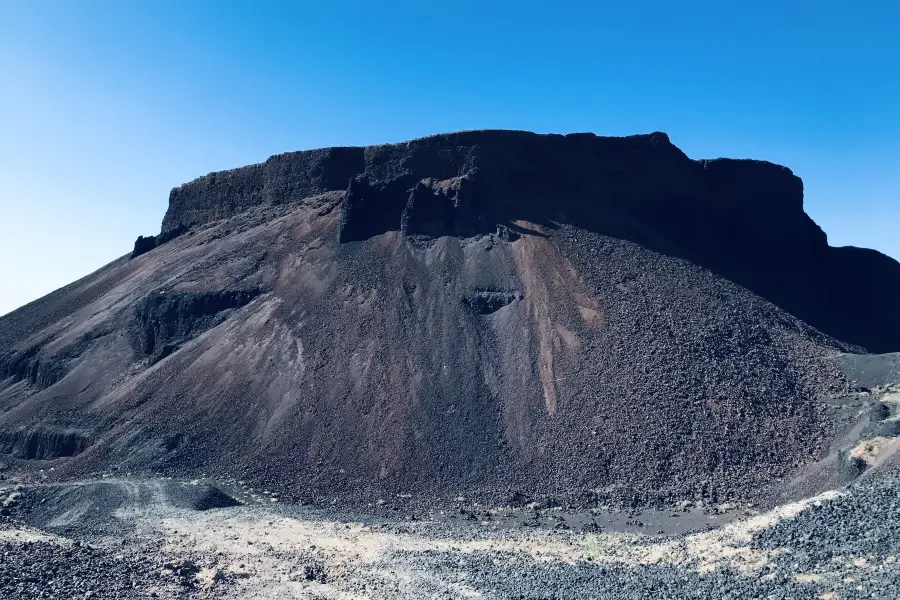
741 218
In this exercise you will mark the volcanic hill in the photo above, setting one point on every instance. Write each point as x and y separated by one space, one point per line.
495 314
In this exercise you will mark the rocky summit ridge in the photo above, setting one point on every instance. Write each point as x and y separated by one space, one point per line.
742 218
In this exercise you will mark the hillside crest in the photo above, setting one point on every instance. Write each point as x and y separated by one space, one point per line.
741 218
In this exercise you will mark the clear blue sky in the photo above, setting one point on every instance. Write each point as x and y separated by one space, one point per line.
105 106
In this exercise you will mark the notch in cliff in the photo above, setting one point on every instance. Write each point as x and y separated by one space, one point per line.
43 443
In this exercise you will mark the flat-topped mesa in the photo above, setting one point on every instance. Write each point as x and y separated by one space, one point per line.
500 315
741 218
514 174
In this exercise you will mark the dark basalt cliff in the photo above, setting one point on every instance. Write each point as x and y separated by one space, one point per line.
741 218
163 321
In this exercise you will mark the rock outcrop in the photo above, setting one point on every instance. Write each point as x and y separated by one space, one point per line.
742 218
32 366
43 443
144 244
282 179
163 321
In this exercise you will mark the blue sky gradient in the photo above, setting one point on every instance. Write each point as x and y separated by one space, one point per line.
105 106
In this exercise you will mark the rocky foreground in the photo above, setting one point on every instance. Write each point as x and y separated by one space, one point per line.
114 538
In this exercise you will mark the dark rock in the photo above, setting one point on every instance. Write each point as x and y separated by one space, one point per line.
485 302
282 179
371 207
448 207
165 320
517 500
314 571
33 366
47 570
43 443
368 369
742 218
143 244
208 497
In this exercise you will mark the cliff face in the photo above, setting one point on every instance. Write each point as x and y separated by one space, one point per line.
742 218
280 180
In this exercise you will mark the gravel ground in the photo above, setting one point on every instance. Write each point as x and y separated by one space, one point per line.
852 539
149 538
48 569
